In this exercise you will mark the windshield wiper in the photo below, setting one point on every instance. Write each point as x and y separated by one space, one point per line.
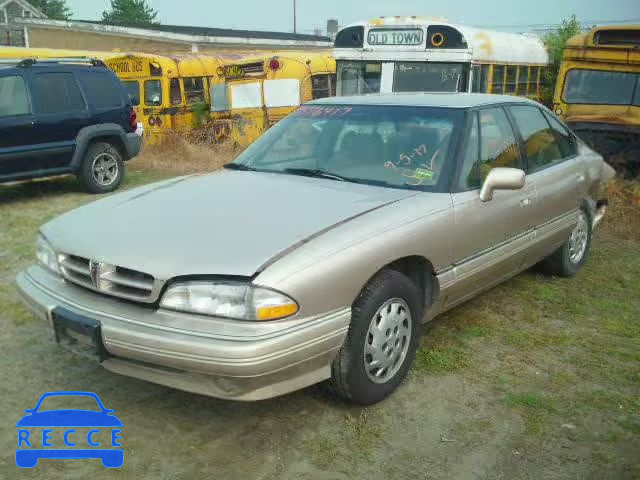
317 173
238 166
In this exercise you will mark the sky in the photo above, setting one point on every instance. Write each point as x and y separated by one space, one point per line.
277 15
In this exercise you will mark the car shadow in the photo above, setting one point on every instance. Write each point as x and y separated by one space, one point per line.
32 189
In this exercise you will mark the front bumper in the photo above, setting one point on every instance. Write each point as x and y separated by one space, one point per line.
211 356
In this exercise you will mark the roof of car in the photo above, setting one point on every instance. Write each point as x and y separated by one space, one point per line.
451 100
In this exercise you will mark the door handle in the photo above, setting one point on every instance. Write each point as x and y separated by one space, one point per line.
525 202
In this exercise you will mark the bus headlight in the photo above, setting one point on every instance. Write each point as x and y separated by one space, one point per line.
236 300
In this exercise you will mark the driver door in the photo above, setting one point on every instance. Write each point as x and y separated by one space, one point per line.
489 237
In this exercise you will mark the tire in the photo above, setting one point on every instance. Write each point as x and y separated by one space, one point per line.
102 168
352 369
567 261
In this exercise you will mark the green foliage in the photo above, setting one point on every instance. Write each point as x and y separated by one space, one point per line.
201 114
555 42
130 12
54 9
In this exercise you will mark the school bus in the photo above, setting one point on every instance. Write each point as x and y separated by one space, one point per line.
429 54
258 89
169 92
598 92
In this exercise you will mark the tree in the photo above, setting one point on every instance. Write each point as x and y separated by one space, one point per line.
130 12
54 9
555 42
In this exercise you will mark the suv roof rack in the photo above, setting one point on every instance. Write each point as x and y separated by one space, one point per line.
28 62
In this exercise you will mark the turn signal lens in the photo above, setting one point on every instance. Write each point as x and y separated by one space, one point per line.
272 313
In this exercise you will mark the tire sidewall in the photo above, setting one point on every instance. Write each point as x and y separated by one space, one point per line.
86 174
396 285
567 265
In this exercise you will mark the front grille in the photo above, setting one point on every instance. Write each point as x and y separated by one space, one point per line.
110 279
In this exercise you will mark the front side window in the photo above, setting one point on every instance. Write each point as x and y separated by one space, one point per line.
540 144
358 78
600 87
470 171
13 97
194 90
57 93
498 79
428 77
175 92
132 87
397 147
153 93
498 145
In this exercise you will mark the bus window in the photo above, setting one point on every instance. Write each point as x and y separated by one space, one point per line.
428 77
175 93
132 87
153 93
480 79
194 90
498 79
600 87
533 83
510 82
219 97
323 86
359 77
523 80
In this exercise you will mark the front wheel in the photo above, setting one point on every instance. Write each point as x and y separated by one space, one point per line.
382 339
572 255
102 168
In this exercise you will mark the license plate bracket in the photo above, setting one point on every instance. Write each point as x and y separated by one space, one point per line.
79 334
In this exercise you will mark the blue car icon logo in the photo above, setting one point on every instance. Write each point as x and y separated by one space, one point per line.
80 433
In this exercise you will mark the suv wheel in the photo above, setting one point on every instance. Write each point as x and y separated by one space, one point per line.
381 342
102 168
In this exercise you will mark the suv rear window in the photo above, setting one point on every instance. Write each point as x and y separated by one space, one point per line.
103 89
57 93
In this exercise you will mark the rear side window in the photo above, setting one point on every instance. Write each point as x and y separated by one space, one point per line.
57 93
13 97
540 143
568 142
103 90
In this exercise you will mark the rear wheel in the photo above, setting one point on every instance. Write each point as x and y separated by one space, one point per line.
382 339
102 168
572 255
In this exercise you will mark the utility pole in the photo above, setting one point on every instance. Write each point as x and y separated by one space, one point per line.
294 17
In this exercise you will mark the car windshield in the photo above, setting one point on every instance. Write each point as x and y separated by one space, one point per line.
394 146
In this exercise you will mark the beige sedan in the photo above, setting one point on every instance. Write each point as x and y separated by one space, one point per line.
319 252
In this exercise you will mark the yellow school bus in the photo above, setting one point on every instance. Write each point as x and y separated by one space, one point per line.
598 92
258 89
169 92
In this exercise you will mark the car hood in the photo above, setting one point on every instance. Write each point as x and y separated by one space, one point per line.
69 418
226 223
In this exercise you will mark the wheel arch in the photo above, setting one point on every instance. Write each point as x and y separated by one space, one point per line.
108 133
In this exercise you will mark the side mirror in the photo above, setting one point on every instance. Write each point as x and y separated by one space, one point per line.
501 178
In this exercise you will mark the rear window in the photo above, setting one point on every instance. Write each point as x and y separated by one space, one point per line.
57 93
132 87
103 89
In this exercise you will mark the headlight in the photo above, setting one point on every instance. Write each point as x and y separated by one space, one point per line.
240 301
46 255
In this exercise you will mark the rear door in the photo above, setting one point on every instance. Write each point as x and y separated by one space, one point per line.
61 112
490 237
16 127
554 167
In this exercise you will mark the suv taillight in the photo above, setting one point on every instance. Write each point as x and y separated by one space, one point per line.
133 121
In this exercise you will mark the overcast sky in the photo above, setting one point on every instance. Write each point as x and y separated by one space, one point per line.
277 15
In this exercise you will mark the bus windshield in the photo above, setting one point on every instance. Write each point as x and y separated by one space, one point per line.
602 87
358 78
428 77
